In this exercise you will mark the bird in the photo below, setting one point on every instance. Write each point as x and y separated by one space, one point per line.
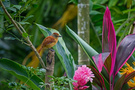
49 41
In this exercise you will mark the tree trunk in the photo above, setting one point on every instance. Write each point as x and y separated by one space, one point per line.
83 29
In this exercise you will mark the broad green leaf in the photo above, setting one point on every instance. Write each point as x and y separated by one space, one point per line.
88 49
61 51
18 71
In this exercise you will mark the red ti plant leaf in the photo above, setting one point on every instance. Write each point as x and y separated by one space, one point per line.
129 76
100 59
124 51
109 38
123 80
120 82
98 78
107 63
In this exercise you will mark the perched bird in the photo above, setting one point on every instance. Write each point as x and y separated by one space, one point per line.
49 41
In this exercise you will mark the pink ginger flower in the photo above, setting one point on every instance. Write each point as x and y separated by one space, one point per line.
82 76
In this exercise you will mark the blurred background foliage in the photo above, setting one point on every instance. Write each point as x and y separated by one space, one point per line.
55 14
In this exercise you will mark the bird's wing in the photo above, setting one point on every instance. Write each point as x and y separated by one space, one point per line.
49 40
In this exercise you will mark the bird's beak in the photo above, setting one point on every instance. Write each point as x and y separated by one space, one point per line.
59 36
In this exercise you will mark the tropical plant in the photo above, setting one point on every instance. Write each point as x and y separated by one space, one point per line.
111 59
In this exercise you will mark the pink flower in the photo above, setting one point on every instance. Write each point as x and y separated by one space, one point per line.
82 76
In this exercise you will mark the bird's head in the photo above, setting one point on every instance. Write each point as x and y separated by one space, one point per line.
56 35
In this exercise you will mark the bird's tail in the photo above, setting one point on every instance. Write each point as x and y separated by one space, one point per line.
42 49
39 50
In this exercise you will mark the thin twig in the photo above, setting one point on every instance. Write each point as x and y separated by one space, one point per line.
26 38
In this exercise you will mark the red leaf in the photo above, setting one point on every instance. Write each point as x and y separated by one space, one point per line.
120 82
100 59
98 78
109 37
124 51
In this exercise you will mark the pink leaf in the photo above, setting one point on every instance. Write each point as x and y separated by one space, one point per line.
100 59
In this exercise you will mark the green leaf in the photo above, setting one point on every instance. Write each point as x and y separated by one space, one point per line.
25 35
98 6
27 18
93 12
12 9
112 3
17 6
61 51
128 10
21 73
23 23
88 49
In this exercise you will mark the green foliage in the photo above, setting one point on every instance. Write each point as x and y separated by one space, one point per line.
25 35
15 85
59 83
21 73
74 1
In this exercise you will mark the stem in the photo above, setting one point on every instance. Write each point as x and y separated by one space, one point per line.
26 38
110 82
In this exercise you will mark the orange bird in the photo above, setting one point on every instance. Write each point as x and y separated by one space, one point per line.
49 41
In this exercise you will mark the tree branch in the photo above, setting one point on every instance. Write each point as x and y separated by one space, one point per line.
26 38
50 65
